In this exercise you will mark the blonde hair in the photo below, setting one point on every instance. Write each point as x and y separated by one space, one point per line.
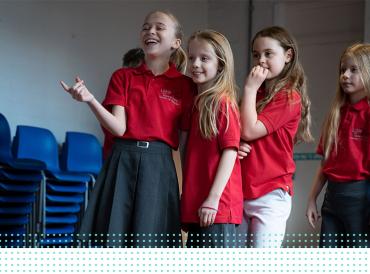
291 78
224 86
360 54
178 57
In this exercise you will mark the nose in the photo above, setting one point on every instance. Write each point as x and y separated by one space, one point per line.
151 30
346 74
195 63
262 60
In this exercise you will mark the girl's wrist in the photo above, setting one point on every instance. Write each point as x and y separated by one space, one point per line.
91 101
250 90
214 196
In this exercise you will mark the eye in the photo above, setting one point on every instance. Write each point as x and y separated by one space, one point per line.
190 58
268 54
255 55
354 69
204 59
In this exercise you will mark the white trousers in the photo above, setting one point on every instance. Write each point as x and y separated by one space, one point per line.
264 220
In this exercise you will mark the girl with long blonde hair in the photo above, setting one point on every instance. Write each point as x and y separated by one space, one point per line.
135 200
211 203
345 148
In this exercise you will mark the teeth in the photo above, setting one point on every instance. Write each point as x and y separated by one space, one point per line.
150 41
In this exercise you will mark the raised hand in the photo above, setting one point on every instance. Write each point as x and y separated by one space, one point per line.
255 78
78 91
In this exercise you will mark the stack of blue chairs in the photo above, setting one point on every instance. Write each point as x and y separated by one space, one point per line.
62 193
19 187
39 196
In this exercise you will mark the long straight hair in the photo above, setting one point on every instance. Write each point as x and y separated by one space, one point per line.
223 85
291 78
360 54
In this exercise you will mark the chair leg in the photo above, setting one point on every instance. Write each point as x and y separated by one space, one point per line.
41 210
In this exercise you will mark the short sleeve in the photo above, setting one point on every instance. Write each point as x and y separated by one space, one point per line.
189 92
229 131
283 108
117 90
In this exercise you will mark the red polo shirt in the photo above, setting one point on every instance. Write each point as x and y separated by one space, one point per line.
202 159
270 164
351 162
157 107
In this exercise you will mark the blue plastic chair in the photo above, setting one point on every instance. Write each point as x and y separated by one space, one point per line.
40 144
26 198
82 153
16 209
19 187
14 220
69 208
66 229
6 157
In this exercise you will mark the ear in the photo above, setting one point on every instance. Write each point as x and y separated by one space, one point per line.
220 67
176 44
288 55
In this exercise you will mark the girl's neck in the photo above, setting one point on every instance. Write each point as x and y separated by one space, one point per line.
356 97
203 87
157 65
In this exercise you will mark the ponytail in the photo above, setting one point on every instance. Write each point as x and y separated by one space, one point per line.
179 58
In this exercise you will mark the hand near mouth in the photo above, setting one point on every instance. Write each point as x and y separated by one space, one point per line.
255 78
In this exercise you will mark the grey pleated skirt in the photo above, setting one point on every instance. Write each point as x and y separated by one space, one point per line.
135 200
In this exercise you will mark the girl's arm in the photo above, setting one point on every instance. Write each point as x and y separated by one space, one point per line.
317 186
182 147
252 128
208 210
114 122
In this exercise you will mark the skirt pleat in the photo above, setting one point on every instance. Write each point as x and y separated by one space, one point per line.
135 200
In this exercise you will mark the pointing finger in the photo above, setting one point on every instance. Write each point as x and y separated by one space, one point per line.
65 86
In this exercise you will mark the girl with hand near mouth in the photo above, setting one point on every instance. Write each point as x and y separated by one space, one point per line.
275 114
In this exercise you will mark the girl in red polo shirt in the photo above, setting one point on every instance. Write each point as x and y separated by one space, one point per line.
212 201
345 147
135 201
132 58
274 116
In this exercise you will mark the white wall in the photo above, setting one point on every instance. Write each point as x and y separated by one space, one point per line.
231 19
42 42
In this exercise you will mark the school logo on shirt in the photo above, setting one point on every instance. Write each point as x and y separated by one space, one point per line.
359 133
167 94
